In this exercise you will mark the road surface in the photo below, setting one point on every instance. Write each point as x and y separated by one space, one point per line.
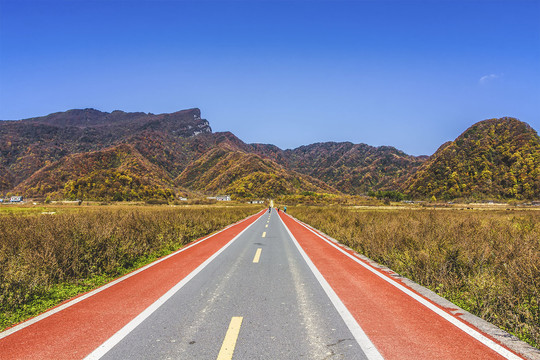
266 288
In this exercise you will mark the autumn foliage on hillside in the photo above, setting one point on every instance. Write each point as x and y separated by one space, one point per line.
118 173
496 157
94 155
354 168
68 155
6 179
29 145
245 175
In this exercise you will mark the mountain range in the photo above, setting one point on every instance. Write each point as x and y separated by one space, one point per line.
89 154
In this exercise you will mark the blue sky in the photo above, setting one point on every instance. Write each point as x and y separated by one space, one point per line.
411 74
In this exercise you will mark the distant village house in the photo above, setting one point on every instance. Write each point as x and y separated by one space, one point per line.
256 202
223 198
15 199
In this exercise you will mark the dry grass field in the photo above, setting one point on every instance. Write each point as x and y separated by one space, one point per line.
487 262
49 254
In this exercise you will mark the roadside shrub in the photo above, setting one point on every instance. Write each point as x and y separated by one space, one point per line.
156 202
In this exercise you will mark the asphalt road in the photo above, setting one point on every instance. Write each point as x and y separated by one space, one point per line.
285 312
268 287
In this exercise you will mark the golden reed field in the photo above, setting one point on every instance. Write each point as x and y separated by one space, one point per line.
487 262
48 255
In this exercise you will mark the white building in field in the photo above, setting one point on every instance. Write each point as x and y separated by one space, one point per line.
223 198
16 199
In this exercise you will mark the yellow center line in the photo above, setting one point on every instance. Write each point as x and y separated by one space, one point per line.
266 225
257 255
264 234
229 343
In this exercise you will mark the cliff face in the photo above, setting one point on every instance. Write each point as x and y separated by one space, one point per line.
30 144
183 123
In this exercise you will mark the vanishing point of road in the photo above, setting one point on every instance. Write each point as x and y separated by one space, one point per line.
268 287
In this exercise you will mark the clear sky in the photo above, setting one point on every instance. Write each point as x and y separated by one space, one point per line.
411 74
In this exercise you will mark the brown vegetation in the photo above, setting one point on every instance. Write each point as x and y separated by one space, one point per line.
46 258
487 262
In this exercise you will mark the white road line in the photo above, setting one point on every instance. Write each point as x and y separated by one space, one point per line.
454 321
362 339
106 286
129 327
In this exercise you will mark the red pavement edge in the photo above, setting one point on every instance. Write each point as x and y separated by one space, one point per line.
75 328
399 326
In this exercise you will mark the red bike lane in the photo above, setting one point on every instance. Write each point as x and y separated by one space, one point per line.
75 331
398 325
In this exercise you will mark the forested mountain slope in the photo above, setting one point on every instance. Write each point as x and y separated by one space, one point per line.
91 154
354 168
495 157
227 169
117 173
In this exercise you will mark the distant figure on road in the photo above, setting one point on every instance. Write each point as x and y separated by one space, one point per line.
284 209
269 208
278 209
